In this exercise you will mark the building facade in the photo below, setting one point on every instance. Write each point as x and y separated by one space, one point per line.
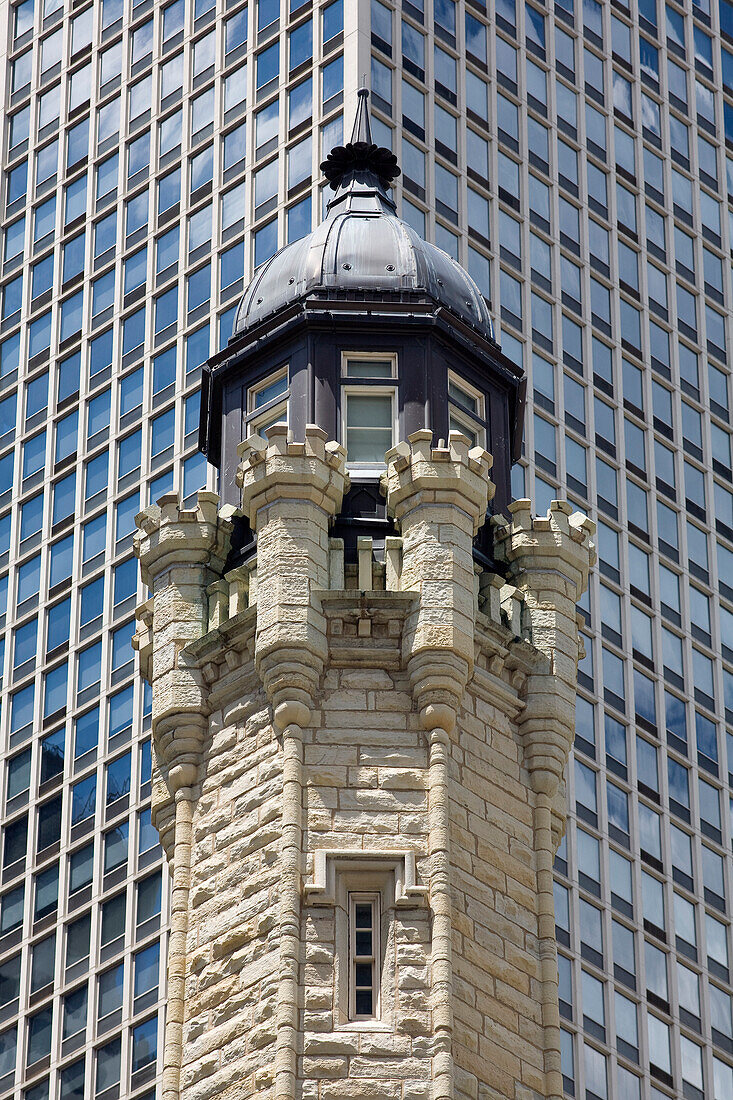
574 159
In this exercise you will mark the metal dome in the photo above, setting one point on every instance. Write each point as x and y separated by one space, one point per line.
362 248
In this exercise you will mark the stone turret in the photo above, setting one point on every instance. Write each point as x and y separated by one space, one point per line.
181 552
402 742
360 734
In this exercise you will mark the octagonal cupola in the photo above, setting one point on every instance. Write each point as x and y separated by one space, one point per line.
371 333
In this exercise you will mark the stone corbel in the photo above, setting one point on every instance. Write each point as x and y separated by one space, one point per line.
327 861
142 639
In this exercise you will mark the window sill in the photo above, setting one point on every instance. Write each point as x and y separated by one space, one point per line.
366 472
371 1026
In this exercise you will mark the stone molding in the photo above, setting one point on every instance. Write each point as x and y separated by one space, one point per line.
328 862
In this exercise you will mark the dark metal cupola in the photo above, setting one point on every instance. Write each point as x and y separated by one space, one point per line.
368 331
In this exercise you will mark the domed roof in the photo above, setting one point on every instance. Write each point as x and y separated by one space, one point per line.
362 246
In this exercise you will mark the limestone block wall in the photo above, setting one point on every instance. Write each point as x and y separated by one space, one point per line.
389 731
232 959
498 1037
365 786
366 789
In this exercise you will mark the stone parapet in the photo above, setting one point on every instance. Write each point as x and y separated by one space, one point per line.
170 535
556 545
277 469
457 474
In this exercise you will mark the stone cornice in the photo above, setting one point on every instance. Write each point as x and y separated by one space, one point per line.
221 653
237 632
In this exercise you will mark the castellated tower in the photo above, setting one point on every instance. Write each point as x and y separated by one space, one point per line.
363 668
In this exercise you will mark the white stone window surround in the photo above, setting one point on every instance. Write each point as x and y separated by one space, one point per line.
328 862
390 874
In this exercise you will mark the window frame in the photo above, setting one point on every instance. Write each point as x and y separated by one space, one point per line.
385 386
257 419
374 900
476 423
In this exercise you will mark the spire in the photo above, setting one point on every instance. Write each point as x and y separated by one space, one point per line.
361 155
362 131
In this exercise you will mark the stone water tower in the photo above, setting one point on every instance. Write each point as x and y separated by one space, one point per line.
363 660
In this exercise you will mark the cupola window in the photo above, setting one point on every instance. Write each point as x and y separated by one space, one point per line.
368 404
466 410
267 403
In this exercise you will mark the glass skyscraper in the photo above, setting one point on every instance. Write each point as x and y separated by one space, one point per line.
575 159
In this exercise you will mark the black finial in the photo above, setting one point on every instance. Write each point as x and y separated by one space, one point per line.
361 154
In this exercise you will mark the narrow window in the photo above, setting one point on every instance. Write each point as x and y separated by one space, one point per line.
466 410
368 407
267 403
363 956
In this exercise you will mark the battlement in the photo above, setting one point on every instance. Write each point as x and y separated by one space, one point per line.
169 534
419 474
562 537
278 469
